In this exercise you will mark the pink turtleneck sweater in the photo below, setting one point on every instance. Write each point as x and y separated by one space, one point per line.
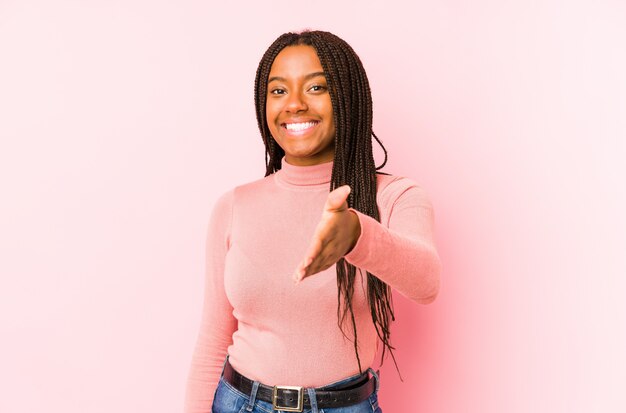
278 332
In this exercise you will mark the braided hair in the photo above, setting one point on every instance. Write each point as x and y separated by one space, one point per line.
353 158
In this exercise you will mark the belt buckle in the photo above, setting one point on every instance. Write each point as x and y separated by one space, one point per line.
300 406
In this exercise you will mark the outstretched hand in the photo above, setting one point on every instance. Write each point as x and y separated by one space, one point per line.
335 235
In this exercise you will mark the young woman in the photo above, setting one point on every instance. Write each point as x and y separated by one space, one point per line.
301 263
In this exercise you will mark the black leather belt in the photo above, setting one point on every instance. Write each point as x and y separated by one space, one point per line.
296 399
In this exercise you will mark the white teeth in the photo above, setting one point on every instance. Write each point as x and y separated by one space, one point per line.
299 126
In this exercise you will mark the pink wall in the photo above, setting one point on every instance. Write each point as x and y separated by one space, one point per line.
121 122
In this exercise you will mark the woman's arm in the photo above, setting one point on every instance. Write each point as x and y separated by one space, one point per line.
218 322
403 254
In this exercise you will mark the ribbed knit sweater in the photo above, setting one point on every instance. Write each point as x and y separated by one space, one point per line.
278 332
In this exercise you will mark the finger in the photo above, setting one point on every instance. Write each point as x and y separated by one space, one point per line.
323 262
310 268
298 273
336 200
320 264
314 251
306 263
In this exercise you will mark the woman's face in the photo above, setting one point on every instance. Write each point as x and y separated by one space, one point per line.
299 111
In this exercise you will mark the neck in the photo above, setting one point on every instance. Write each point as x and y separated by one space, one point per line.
309 175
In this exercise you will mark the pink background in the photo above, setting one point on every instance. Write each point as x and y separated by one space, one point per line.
121 122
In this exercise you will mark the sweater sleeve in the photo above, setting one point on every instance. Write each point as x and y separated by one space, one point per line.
218 323
403 253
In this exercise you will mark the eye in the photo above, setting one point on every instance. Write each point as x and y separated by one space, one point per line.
277 91
317 88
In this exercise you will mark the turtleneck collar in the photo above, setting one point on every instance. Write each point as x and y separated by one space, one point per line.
304 176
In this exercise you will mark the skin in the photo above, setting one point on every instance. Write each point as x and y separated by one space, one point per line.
297 93
335 235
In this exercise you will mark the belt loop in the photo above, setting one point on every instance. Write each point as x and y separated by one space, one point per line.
224 365
255 387
312 399
376 375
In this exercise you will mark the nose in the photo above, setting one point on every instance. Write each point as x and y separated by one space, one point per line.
296 103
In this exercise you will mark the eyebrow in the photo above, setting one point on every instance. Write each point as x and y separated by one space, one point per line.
307 77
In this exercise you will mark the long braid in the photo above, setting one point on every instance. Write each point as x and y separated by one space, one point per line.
353 162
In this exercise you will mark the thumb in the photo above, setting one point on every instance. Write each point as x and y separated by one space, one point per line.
336 200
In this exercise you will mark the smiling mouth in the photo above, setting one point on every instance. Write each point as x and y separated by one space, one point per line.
299 126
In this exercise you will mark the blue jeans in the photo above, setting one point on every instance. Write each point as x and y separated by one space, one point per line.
229 400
